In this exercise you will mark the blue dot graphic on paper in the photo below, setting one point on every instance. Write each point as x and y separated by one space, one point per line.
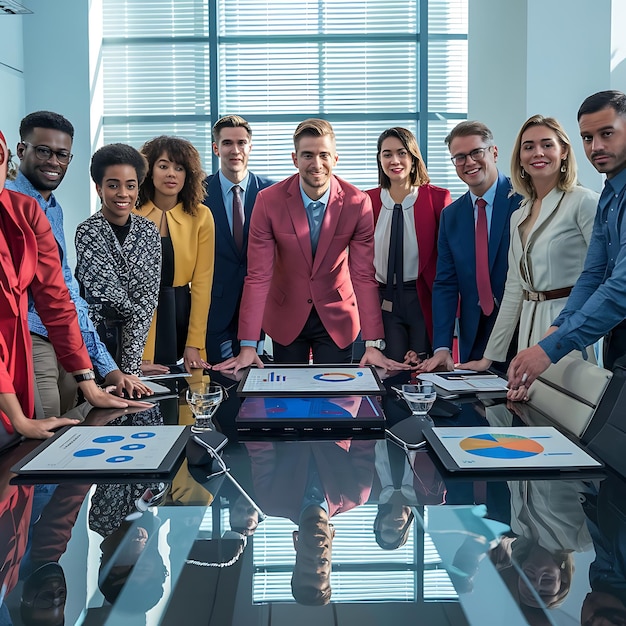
133 446
109 439
143 435
119 459
88 452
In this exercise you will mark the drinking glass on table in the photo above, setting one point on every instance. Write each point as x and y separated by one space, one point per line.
420 397
204 398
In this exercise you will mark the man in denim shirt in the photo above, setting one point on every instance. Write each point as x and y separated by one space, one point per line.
45 152
597 304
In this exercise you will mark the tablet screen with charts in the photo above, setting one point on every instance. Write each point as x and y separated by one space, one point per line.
105 450
311 380
307 415
506 449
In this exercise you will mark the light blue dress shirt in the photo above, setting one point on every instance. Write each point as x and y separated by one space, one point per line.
315 210
227 195
597 303
315 219
489 197
314 492
98 353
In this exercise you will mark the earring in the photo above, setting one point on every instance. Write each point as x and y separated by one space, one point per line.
522 173
563 167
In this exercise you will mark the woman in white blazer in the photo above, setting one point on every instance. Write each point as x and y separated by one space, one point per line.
550 234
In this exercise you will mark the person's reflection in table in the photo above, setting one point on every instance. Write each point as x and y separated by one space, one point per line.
313 543
111 503
407 478
243 517
548 524
129 549
131 559
309 483
15 509
54 513
605 510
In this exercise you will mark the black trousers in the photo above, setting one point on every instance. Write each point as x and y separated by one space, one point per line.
404 325
313 337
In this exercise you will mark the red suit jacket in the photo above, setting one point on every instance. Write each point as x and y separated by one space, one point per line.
280 472
427 208
284 281
29 259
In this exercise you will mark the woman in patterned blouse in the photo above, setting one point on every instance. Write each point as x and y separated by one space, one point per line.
119 257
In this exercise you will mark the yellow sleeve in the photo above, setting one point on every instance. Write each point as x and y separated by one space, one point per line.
149 211
148 351
202 279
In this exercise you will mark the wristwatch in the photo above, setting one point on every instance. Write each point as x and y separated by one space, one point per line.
81 378
375 343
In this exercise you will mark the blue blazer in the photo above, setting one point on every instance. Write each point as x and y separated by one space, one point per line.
230 264
455 281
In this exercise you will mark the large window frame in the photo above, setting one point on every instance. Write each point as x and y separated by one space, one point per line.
215 39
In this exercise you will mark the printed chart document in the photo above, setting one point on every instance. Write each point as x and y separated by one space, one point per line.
486 448
311 380
106 450
466 381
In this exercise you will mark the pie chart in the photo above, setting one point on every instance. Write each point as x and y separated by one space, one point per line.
503 446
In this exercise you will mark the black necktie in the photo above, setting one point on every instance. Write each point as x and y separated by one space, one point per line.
395 261
238 217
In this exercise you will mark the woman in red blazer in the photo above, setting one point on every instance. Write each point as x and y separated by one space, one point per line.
405 287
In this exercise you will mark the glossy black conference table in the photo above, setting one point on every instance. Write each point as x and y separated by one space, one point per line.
411 545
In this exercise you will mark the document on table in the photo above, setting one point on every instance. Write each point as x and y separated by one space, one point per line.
466 381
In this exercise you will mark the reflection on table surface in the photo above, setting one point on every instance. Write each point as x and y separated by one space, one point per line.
355 531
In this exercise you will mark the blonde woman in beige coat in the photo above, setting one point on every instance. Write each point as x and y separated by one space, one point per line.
550 233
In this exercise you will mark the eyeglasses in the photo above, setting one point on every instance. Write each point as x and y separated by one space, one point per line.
477 154
44 153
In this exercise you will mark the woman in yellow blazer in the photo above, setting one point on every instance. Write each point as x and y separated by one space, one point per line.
171 197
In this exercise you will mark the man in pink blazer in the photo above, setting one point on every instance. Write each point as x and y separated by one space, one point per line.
310 282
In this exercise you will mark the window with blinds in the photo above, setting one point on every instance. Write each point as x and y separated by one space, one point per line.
175 67
362 571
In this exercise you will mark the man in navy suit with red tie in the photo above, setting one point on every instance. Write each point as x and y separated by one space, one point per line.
231 208
459 283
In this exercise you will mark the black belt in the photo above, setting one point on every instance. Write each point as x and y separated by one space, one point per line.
411 284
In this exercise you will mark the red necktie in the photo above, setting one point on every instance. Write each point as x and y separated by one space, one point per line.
238 217
483 281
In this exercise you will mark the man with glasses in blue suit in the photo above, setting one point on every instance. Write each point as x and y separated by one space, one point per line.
456 286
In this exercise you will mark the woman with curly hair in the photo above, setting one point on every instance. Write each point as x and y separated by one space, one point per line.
171 197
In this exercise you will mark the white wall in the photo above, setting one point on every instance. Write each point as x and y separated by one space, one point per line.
539 56
11 78
56 69
618 46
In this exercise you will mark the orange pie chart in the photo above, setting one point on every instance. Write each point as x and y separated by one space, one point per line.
503 446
